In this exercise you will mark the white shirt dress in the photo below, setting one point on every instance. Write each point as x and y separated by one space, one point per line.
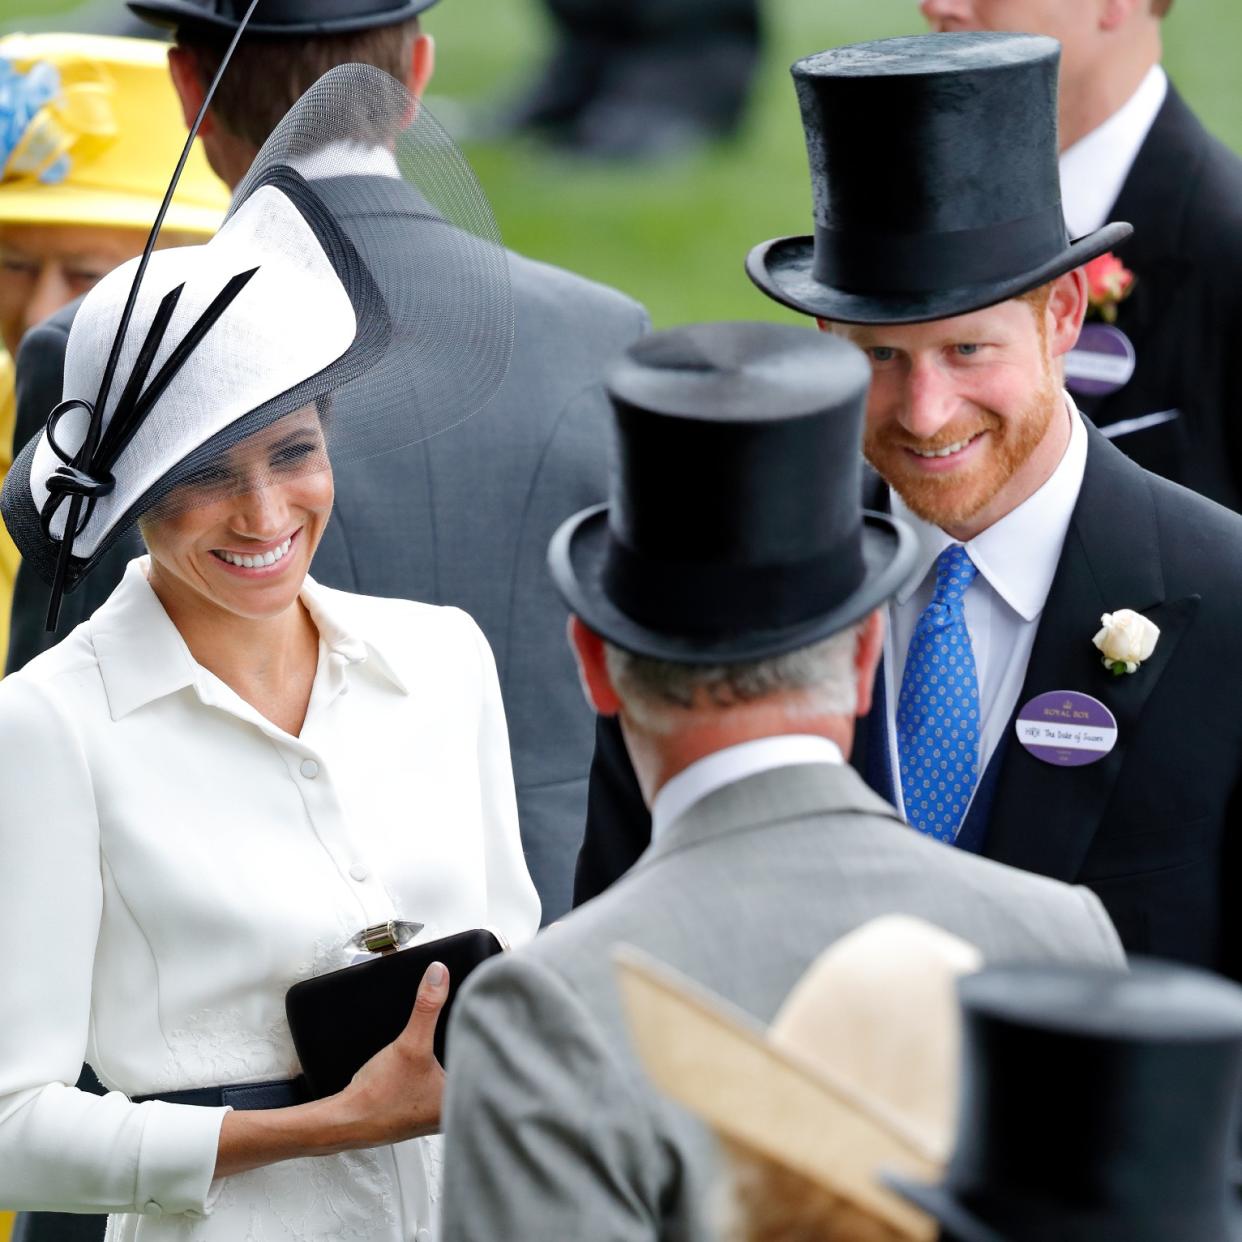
171 862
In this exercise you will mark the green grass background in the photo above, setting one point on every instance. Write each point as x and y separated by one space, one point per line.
675 235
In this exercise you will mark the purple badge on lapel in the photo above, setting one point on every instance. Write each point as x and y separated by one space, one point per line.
1067 729
1101 363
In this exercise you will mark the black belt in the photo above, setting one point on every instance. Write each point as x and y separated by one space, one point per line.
283 1093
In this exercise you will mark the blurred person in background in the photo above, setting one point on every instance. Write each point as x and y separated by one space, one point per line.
1157 368
726 612
855 1077
89 127
462 519
644 79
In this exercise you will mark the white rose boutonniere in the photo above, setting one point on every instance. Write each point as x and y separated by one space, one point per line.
1127 639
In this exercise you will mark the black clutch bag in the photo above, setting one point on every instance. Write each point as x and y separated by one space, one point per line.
339 1021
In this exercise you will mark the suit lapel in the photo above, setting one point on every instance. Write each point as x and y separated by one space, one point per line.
870 756
1044 817
1158 210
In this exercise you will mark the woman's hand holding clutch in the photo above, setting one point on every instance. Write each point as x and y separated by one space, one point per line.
395 1096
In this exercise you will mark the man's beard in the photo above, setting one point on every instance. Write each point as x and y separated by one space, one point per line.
953 498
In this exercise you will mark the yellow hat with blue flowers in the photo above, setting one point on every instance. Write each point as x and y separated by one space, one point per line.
89 128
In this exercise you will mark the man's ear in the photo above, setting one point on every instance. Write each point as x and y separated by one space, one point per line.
588 649
183 69
867 659
1067 308
422 65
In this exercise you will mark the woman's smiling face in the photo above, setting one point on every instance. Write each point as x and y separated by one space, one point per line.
241 535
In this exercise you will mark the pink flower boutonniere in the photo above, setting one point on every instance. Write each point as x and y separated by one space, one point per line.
1109 283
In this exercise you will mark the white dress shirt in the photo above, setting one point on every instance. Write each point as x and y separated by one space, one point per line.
1017 559
736 763
173 862
1095 168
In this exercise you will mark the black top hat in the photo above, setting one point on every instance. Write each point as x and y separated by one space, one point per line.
280 17
735 529
935 177
1094 1107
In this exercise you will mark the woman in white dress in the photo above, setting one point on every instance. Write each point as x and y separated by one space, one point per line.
226 774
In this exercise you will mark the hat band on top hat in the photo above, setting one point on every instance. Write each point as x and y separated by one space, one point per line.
878 263
302 12
690 598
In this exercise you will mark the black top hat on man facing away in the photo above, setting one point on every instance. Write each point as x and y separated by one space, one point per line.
936 185
276 18
1094 1107
735 529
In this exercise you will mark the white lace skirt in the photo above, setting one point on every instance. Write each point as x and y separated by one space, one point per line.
389 1194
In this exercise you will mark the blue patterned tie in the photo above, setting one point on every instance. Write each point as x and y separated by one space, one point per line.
938 708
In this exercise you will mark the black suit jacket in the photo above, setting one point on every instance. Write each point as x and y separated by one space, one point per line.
1152 828
1181 413
463 518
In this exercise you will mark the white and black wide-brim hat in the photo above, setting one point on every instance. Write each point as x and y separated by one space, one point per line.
284 312
734 529
935 179
359 274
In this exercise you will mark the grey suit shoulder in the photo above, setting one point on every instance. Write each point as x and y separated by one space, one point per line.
741 894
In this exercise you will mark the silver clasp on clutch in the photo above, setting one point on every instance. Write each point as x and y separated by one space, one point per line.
385 938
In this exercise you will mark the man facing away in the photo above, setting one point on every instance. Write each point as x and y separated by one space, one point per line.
948 263
726 610
1157 370
459 519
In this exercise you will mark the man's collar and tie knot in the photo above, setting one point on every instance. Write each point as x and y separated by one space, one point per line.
955 572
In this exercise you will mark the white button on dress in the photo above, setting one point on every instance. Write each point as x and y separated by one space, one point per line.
197 869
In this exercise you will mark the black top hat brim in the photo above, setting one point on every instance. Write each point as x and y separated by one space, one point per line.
960 1224
957 1222
783 268
176 13
576 559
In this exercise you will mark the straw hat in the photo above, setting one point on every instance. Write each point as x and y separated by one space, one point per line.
89 129
857 1073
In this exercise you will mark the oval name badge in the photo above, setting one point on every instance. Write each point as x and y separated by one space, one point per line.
1067 729
1102 362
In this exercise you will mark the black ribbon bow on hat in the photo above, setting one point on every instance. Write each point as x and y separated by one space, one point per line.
85 474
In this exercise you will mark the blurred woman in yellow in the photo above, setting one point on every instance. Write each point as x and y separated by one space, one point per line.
89 127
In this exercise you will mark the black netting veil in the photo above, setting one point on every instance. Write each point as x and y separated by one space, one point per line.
356 300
